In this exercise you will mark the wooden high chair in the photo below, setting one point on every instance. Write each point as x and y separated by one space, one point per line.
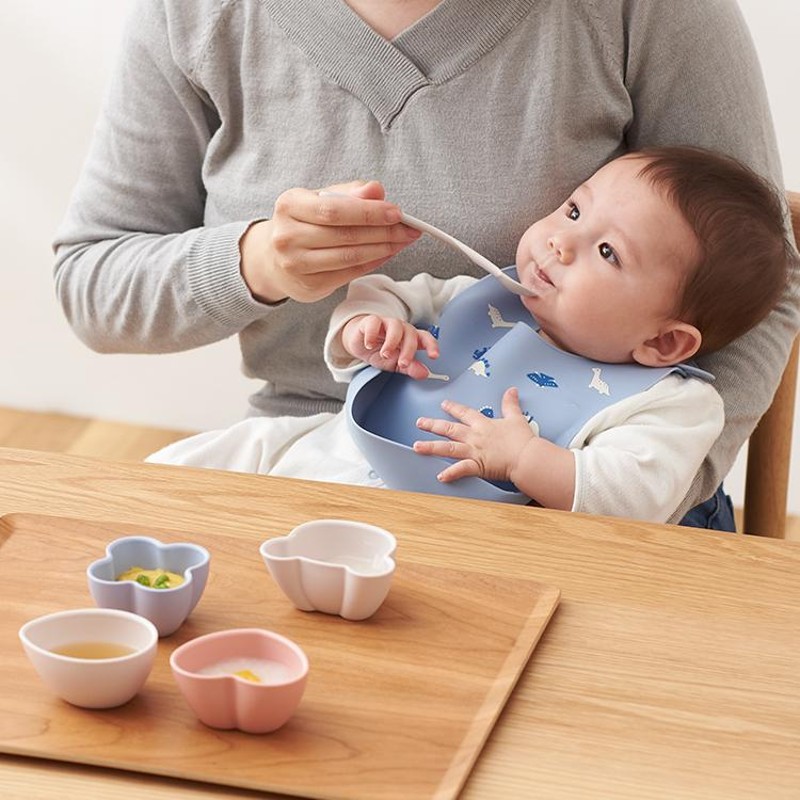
770 448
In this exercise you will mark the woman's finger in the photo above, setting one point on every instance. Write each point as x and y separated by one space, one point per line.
296 234
316 286
335 259
367 190
306 205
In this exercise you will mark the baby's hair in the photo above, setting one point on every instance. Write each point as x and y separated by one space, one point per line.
737 218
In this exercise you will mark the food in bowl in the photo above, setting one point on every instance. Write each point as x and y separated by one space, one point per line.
91 657
215 675
266 671
165 601
155 578
93 650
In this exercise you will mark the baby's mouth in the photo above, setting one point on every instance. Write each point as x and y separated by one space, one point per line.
540 275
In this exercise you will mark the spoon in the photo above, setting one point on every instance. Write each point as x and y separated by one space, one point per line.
505 280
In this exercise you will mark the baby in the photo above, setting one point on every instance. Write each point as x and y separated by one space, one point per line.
576 397
659 256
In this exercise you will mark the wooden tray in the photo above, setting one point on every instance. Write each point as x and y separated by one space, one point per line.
397 706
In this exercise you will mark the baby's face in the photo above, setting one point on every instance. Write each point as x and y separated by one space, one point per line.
608 265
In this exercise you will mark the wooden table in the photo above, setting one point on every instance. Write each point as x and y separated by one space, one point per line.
670 670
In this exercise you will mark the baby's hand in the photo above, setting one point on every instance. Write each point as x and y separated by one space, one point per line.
488 448
389 344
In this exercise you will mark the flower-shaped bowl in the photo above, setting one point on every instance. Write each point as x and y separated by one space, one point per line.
91 657
336 566
245 678
166 608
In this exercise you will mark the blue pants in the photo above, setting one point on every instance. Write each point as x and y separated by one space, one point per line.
715 514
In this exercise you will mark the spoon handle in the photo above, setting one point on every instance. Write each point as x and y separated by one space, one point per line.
514 286
471 254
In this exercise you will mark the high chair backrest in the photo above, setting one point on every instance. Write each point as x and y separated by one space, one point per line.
770 448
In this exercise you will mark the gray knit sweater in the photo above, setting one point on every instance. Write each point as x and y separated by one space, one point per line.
480 118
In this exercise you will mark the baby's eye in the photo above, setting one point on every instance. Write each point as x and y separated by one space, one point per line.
607 252
573 212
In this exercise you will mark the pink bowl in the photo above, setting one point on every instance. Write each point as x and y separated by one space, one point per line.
204 671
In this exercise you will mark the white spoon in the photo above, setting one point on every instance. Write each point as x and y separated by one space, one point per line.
509 283
505 280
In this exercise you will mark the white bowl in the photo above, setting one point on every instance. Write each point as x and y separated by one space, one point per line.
336 566
91 682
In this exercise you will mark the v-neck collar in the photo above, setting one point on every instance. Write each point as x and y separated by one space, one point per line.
385 74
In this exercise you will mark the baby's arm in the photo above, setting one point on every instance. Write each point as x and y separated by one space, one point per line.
389 344
418 301
635 459
502 449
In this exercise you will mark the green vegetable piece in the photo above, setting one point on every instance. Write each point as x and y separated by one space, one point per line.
161 582
143 579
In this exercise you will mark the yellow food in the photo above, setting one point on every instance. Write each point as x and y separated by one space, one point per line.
154 578
93 650
248 675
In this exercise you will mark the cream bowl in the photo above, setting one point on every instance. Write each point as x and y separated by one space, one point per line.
166 608
336 566
245 678
91 682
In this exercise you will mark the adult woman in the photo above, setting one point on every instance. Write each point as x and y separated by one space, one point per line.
476 115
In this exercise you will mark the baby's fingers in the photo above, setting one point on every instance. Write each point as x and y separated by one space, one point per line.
465 414
428 343
408 347
467 468
393 337
373 331
510 403
417 370
441 427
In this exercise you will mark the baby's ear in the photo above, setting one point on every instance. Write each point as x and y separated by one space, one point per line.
676 342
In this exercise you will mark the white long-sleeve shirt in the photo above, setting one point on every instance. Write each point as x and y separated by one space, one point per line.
634 459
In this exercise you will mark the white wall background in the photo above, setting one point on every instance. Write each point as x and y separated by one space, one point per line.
55 56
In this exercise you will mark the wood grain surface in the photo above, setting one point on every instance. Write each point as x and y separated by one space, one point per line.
397 706
119 441
670 671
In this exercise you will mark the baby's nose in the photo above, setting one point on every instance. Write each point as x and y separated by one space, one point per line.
560 248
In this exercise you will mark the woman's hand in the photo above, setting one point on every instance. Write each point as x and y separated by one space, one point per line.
389 344
314 244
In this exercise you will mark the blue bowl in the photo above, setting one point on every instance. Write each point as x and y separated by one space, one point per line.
167 608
